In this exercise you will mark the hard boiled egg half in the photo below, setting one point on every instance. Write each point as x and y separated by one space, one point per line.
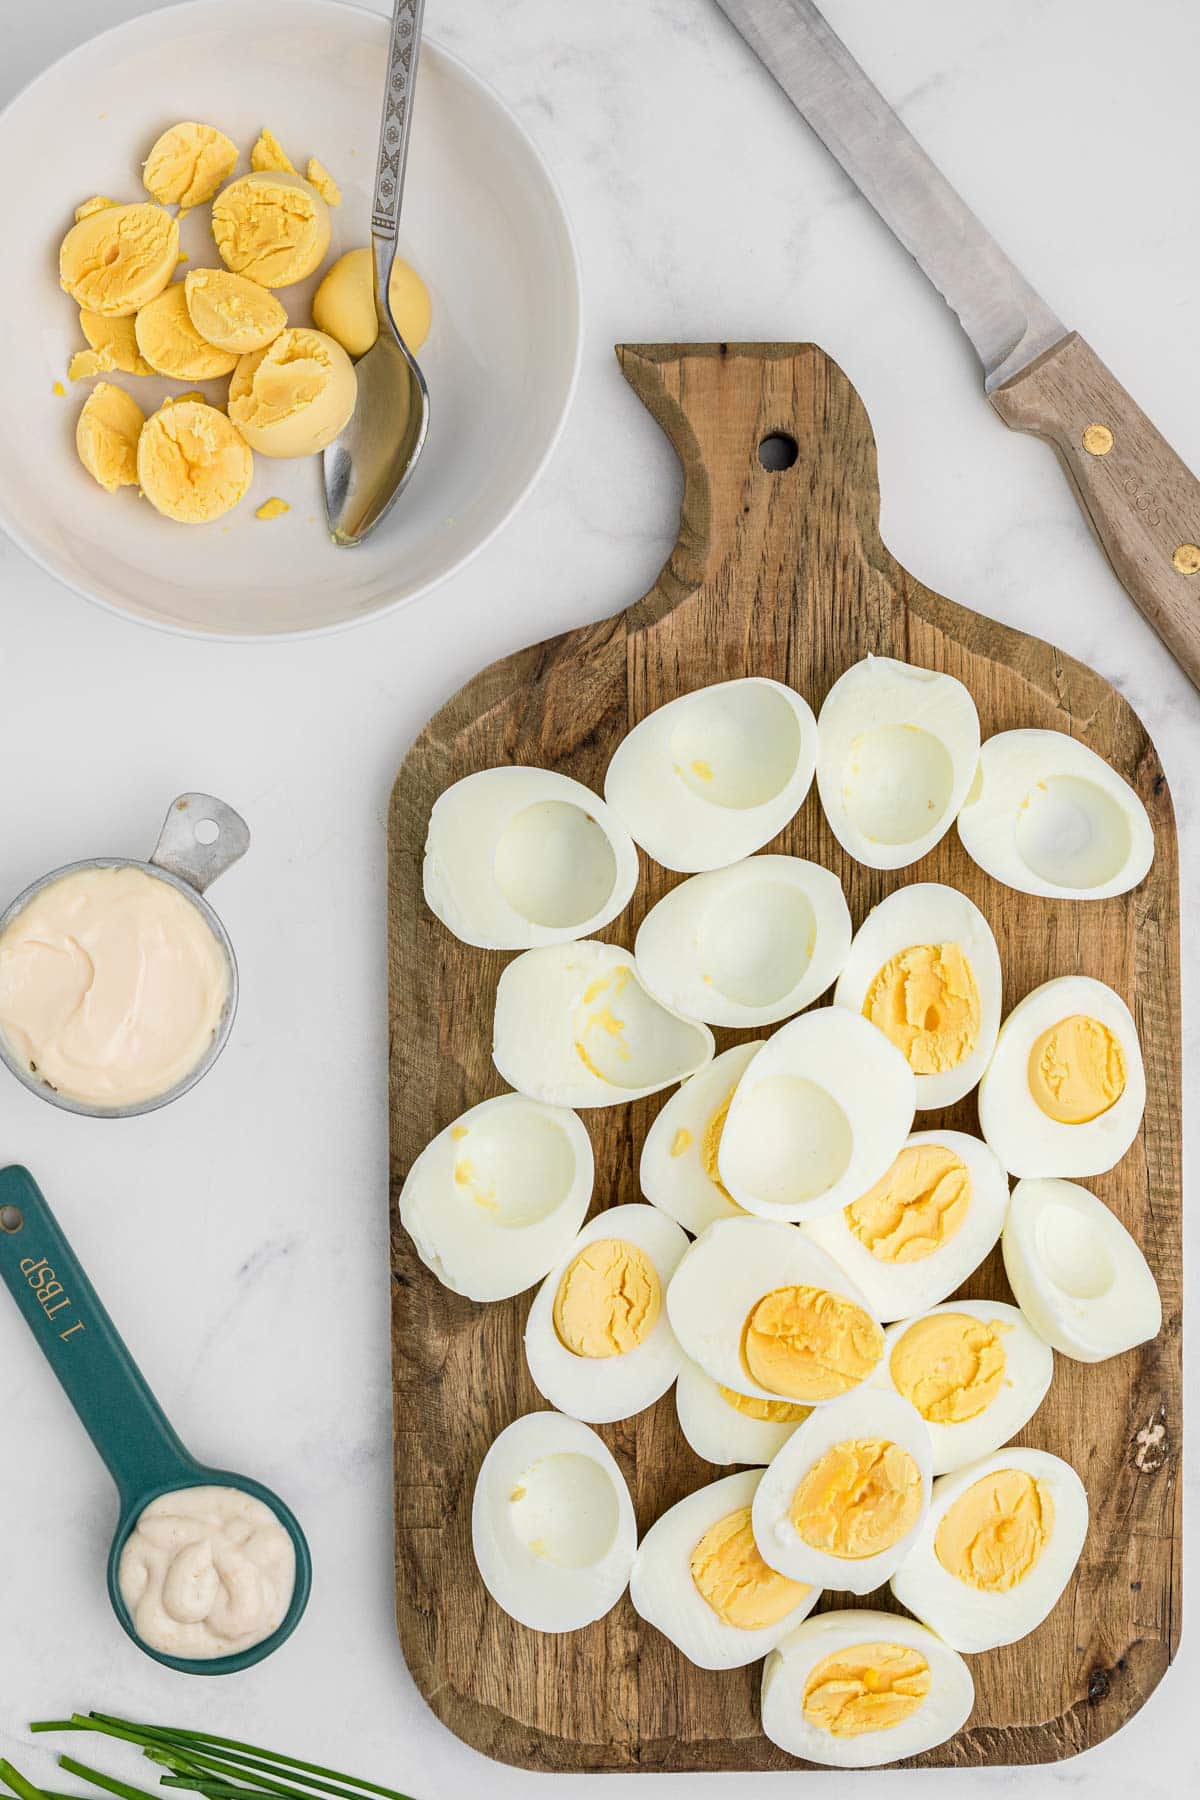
1048 816
723 1426
1000 1544
897 751
712 776
498 1195
699 1578
574 1026
552 1524
678 1170
924 968
1078 1274
747 945
1065 1090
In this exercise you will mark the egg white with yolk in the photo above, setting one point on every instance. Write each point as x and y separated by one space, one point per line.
724 1427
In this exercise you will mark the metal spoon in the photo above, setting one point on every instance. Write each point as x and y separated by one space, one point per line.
366 468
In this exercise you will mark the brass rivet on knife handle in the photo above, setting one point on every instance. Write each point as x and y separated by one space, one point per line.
1097 440
1187 559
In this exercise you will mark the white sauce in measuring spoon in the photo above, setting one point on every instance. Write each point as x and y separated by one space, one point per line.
207 1572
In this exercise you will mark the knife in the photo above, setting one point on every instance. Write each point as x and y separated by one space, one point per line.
1140 498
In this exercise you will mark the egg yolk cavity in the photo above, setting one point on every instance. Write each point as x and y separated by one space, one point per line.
732 1577
1076 1070
915 1208
925 1000
950 1365
870 1687
608 1300
767 1412
858 1499
809 1344
993 1535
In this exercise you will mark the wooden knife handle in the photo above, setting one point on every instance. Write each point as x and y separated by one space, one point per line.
1142 501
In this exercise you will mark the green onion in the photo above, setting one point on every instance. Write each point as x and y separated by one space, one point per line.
16 1782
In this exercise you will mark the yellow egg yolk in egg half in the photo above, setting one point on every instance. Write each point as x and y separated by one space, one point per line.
809 1344
732 1577
858 1499
1076 1070
602 1019
710 1146
926 1001
869 1687
950 1365
770 1412
994 1533
608 1299
915 1208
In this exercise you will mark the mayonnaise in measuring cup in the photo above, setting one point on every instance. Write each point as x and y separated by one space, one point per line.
207 1572
112 985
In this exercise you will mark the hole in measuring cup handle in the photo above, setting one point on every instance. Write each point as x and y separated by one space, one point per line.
201 838
11 1219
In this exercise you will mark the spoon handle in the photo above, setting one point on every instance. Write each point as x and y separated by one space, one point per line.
403 52
82 1345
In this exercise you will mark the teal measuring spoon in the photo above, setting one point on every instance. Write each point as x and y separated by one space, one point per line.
109 1392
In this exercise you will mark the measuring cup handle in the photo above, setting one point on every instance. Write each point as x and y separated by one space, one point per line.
199 859
82 1345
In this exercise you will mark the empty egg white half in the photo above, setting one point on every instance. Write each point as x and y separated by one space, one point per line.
897 751
698 1577
924 1227
856 1689
678 1170
517 857
975 1370
712 776
496 1197
1079 1276
1065 1090
841 1504
766 1313
574 1026
747 945
1046 815
723 1426
552 1524
998 1547
924 968
817 1117
598 1339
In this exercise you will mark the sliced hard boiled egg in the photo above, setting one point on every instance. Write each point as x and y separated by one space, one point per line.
1000 1544
552 1524
766 1313
818 1116
574 1026
723 1426
699 1578
975 1370
497 1196
842 1502
924 968
1048 816
897 750
517 857
1077 1273
856 1689
1065 1090
747 945
678 1171
712 776
925 1225
598 1340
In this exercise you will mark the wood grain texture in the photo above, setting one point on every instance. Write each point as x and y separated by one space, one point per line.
1140 498
785 575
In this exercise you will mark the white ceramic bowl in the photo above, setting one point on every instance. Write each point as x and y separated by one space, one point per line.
482 220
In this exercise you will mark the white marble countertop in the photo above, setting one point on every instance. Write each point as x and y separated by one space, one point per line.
241 1236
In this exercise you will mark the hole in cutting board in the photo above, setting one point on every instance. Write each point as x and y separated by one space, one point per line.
11 1218
778 451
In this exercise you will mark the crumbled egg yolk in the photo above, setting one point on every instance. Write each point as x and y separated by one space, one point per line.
608 1299
858 1499
926 1001
323 181
1076 1070
86 363
680 1141
465 1173
710 1147
96 204
950 1365
603 1019
869 1687
119 338
993 1534
188 163
274 508
269 153
809 1344
767 1412
732 1577
915 1208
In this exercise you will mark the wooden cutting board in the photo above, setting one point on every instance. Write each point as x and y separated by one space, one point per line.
784 574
